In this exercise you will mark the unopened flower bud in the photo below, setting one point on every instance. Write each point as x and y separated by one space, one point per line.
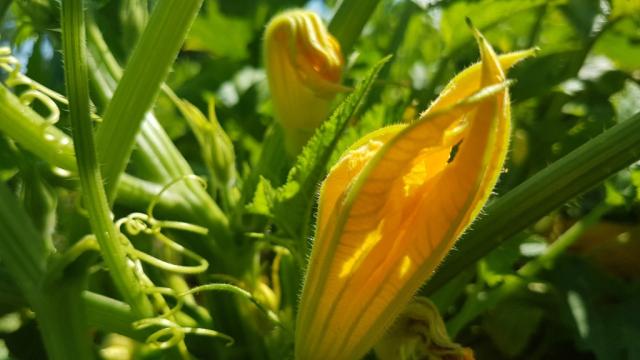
392 207
304 68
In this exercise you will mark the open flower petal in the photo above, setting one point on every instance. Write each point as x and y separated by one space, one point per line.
394 205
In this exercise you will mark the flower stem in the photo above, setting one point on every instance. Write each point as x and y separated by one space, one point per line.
95 199
111 316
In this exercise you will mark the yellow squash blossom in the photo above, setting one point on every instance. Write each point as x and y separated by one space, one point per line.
420 333
304 67
393 206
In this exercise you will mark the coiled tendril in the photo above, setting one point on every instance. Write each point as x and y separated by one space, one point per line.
36 90
170 333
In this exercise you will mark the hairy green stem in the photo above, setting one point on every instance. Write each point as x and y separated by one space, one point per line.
95 199
140 83
558 183
111 315
29 129
46 141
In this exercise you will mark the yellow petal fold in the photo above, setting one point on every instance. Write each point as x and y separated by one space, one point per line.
304 68
393 206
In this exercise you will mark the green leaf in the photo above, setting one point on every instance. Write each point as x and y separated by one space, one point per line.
584 15
620 44
453 19
536 76
219 35
263 199
22 251
602 307
511 325
626 102
624 8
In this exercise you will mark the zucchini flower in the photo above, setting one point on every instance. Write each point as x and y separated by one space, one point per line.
393 206
420 333
304 67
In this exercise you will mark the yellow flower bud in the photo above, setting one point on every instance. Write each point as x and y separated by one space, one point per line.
304 67
393 206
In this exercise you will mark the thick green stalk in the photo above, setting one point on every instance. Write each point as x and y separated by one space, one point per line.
104 313
159 159
349 20
26 127
140 83
111 315
58 309
561 181
31 131
95 199
61 315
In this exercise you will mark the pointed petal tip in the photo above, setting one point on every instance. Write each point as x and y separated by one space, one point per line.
476 33
530 52
469 22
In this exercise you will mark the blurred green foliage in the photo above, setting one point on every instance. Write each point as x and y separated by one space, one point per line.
584 304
